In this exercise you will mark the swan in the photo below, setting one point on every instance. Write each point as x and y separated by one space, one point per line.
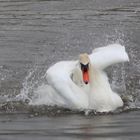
83 84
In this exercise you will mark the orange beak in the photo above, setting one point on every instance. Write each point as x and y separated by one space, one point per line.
85 77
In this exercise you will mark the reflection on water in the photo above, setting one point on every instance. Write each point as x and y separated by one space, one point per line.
109 127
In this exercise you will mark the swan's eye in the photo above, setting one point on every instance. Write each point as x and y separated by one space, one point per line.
84 67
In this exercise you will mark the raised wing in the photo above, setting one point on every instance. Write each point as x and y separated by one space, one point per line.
108 55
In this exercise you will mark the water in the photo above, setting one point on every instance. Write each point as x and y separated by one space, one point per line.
35 34
111 127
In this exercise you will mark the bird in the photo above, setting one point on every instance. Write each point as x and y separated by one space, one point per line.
82 83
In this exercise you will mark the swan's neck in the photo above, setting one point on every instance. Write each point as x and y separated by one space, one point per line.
94 75
91 75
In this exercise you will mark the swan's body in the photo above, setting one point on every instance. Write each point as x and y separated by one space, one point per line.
66 86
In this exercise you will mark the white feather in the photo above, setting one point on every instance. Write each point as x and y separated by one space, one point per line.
106 56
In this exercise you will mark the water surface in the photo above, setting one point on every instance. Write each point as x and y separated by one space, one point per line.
34 34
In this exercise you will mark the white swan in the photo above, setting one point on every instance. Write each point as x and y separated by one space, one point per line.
83 84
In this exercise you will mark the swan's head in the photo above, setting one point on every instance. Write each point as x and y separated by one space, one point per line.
84 65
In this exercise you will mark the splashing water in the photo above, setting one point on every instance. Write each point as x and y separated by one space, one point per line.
35 90
31 83
28 35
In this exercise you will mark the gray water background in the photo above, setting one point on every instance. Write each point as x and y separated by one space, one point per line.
34 34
